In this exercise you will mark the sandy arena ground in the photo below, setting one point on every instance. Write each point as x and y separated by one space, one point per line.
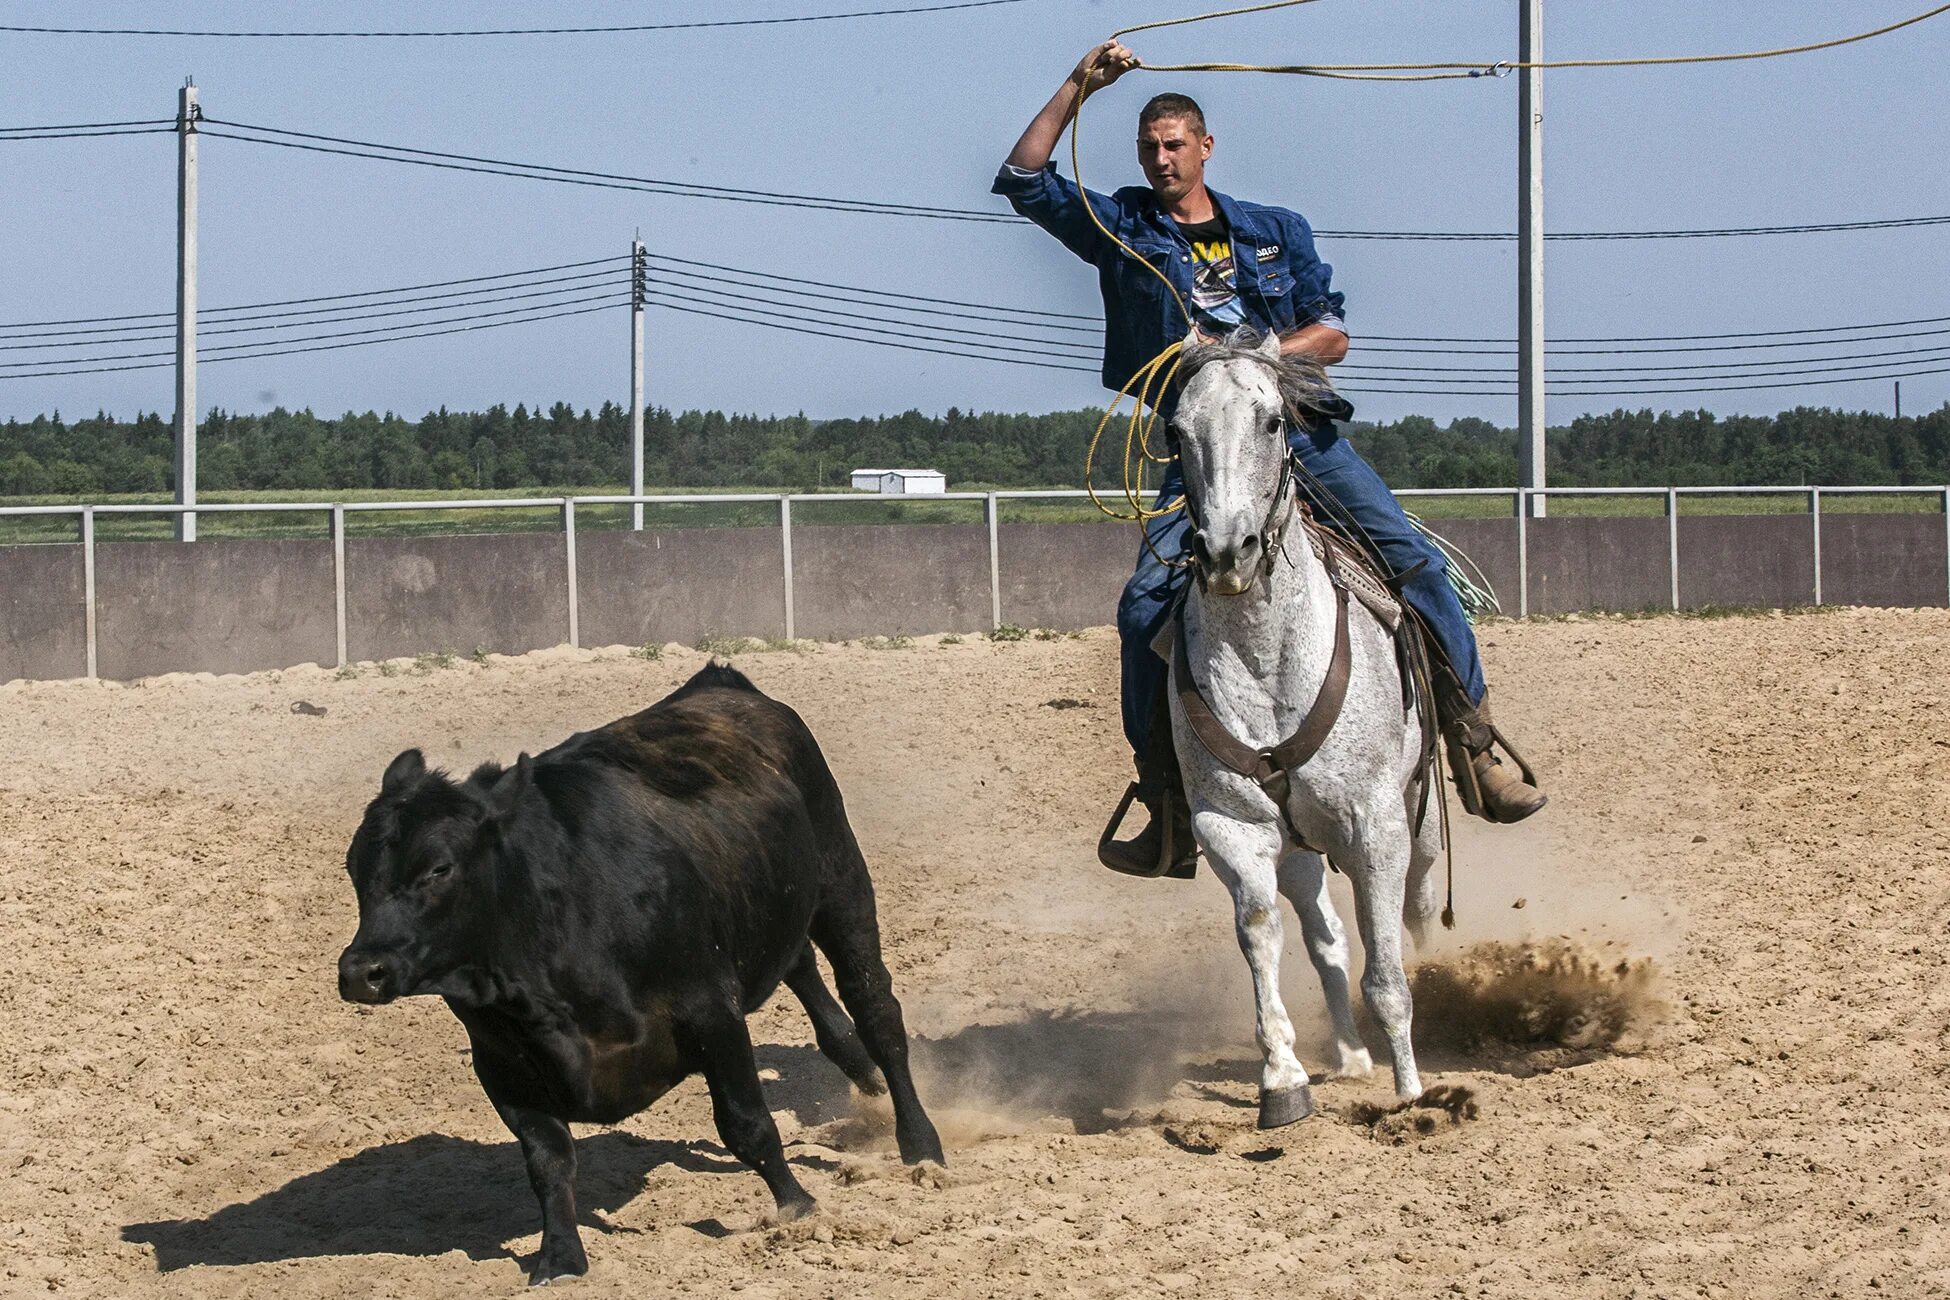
1757 805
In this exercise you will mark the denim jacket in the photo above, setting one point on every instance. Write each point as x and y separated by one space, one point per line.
1282 283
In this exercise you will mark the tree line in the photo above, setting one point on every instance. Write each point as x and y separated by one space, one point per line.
563 446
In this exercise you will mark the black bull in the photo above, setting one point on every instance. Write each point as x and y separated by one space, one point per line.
603 917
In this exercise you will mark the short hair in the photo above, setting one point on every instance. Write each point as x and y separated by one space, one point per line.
1171 104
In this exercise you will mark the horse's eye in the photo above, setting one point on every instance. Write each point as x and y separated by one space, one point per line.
1272 424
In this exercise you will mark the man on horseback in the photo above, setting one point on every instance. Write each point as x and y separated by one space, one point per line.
1234 264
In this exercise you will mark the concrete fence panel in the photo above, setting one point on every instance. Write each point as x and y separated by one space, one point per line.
43 612
880 579
1064 575
508 593
1882 559
1579 564
233 606
1757 560
672 584
1492 545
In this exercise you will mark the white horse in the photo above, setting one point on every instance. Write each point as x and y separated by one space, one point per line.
1259 640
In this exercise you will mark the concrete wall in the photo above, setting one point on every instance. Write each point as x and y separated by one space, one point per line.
880 579
43 612
1598 564
243 605
505 592
215 607
680 584
1883 560
1063 575
1765 560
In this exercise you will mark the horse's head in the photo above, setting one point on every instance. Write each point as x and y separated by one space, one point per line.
1231 431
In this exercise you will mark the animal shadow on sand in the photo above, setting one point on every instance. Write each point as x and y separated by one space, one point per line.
436 1193
425 1196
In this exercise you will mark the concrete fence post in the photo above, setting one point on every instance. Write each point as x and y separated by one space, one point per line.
785 555
995 563
1814 514
1672 542
338 580
1523 554
569 555
88 584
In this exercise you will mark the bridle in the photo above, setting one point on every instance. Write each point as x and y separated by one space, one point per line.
1272 529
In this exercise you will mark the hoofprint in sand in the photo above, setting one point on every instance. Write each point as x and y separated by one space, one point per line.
1757 806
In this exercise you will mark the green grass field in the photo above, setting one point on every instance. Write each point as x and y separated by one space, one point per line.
845 508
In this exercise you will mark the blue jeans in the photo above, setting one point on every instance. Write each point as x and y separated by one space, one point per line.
1331 459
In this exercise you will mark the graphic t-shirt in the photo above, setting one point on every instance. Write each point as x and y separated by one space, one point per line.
1215 297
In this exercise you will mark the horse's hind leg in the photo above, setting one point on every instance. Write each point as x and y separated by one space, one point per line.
1303 879
1380 875
838 1041
1245 857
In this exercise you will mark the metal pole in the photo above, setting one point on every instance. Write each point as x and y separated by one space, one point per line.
1530 255
637 267
1814 513
1946 545
995 564
569 554
338 579
1523 554
1672 542
88 582
785 550
1899 399
187 115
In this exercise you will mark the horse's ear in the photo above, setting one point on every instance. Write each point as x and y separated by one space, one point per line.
1269 347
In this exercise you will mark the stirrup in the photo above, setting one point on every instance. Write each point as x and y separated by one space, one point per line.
1166 848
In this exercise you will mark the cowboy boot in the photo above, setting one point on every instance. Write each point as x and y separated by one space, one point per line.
1165 847
1488 787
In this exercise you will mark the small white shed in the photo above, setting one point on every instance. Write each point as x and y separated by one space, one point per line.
901 482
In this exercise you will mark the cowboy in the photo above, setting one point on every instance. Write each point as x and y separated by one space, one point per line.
1232 264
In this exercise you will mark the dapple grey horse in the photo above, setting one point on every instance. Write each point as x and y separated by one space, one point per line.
1259 634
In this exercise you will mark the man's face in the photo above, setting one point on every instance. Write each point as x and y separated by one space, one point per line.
1173 156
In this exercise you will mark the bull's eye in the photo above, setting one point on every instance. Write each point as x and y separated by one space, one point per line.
440 871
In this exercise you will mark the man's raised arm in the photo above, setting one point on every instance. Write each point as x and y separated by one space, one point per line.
1103 65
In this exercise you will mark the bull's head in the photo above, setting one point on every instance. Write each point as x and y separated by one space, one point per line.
428 865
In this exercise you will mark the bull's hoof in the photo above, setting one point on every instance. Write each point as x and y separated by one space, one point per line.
794 1210
1282 1106
548 1272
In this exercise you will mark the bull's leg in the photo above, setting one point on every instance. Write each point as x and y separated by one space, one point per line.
744 1121
847 931
834 1032
549 1150
1303 879
1245 856
1379 871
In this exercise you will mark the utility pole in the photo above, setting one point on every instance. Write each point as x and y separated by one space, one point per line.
188 113
637 268
1530 254
1899 399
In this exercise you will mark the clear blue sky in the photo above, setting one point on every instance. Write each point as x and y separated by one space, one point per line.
921 109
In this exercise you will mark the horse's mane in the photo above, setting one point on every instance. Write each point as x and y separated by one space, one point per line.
1302 381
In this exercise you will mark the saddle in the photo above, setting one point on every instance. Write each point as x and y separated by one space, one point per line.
1352 572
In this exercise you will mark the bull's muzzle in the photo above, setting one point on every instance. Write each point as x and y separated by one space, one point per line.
368 977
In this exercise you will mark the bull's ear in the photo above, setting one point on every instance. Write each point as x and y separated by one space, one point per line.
505 795
409 767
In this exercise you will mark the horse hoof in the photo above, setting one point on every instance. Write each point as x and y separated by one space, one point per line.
1284 1106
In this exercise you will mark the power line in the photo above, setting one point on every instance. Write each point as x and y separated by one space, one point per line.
707 284
332 297
613 296
343 312
445 160
883 293
83 135
1662 338
85 126
789 313
514 31
323 347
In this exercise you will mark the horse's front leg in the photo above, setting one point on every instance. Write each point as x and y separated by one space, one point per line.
1303 879
1245 856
